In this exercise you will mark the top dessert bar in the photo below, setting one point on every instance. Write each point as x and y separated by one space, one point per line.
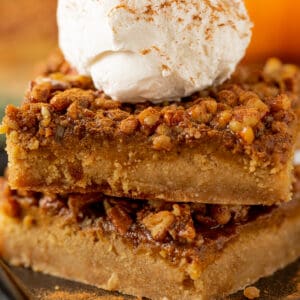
231 144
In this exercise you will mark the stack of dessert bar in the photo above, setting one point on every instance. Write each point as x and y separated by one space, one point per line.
188 200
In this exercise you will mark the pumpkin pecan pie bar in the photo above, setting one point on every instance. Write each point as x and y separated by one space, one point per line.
154 249
229 144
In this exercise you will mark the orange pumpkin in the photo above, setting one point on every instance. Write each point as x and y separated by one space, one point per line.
276 29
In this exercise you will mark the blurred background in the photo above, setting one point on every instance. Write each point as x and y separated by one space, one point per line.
28 34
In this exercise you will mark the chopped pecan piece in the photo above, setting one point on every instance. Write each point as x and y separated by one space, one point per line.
281 102
240 212
149 117
228 97
40 92
247 135
119 217
59 102
183 229
129 125
203 111
173 117
46 116
187 232
162 142
105 103
223 119
163 130
221 213
158 224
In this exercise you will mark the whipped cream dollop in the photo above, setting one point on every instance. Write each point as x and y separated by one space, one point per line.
156 50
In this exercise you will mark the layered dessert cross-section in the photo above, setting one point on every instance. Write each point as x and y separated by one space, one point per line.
139 162
154 249
230 144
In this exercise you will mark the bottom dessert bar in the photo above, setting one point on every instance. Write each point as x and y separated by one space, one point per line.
145 248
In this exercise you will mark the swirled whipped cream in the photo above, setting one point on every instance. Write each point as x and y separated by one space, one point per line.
153 50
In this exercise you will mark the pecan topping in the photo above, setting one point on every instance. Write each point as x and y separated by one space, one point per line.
129 125
247 114
162 142
60 102
41 92
221 214
46 116
119 217
149 117
159 224
184 229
